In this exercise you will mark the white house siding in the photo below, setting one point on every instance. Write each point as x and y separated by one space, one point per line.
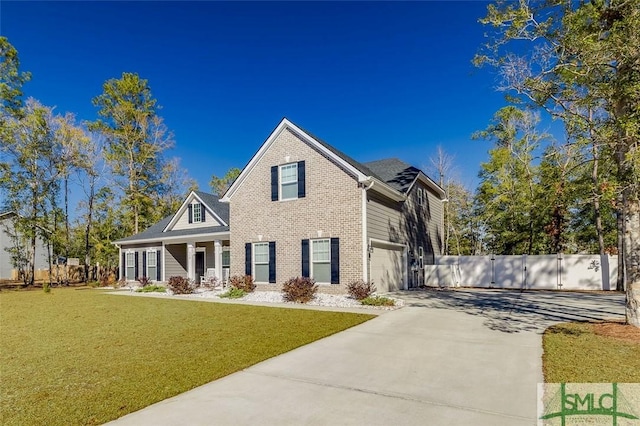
183 220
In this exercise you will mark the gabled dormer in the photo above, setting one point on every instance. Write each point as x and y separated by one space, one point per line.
199 210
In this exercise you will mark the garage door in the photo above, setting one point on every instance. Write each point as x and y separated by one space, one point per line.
386 267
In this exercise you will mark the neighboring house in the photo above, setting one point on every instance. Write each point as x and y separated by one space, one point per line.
7 229
302 208
186 244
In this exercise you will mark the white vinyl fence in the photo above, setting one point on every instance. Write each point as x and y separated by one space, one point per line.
548 272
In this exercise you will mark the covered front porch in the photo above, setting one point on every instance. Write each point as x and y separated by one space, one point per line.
195 259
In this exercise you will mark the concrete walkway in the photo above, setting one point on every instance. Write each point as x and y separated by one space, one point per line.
465 357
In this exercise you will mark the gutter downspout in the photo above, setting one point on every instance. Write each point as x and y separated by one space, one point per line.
365 241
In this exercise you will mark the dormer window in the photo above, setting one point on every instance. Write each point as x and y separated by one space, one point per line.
197 213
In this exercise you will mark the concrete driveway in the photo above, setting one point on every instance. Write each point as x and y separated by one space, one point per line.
464 357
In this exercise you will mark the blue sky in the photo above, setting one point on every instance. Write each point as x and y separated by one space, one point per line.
374 79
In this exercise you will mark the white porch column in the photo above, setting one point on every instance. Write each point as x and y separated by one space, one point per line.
120 270
164 264
191 261
217 253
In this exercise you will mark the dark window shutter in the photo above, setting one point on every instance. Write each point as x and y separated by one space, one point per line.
305 258
247 259
144 263
274 183
272 261
136 269
190 214
301 179
158 266
202 212
124 265
335 261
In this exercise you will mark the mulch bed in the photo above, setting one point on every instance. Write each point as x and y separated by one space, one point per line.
618 330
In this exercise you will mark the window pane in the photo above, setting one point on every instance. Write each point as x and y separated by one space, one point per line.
261 273
289 173
289 190
321 251
197 217
261 253
322 272
130 259
226 259
151 272
151 258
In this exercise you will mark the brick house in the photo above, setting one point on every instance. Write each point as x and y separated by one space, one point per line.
300 207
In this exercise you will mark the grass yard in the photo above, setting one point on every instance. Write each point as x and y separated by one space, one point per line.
79 356
591 353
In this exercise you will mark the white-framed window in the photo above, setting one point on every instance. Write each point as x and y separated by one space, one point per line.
152 264
226 258
420 197
196 212
289 181
321 260
261 262
131 265
421 257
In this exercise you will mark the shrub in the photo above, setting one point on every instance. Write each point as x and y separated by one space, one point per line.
93 284
144 281
299 289
105 280
242 282
46 287
378 301
360 289
180 285
152 289
233 293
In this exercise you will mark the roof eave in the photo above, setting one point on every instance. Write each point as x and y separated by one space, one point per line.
384 189
286 124
171 238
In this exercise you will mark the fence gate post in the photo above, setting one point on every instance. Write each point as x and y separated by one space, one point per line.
559 269
524 272
493 270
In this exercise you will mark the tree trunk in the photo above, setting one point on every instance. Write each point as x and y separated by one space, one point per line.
632 261
621 249
88 231
596 202
66 225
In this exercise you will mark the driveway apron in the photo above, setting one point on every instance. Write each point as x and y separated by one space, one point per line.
464 357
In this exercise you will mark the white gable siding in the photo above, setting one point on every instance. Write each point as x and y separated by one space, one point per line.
183 220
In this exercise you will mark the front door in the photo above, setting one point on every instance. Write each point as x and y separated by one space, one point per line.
199 265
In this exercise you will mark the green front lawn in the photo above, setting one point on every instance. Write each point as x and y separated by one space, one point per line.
577 353
79 356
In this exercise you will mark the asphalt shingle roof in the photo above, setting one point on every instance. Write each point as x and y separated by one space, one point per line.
212 201
394 172
154 232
